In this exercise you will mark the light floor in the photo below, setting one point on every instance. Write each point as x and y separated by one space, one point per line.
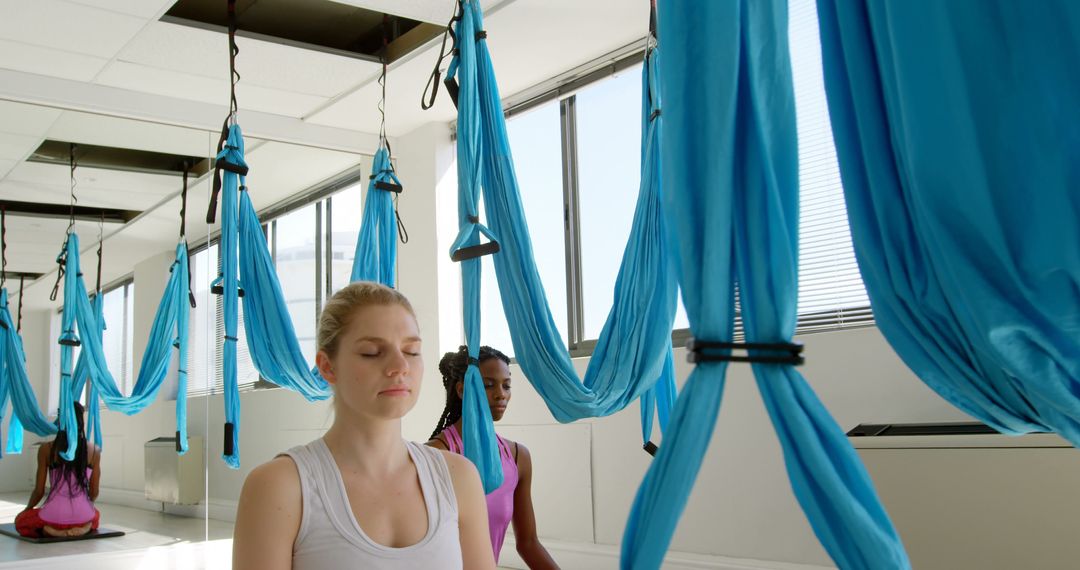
154 540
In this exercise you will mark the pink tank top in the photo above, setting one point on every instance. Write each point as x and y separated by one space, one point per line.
67 503
500 502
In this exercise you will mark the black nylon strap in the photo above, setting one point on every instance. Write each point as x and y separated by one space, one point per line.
18 327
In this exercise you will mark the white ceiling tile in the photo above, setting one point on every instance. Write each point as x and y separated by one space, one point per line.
50 183
69 27
17 147
34 242
523 53
201 52
198 88
24 119
141 8
6 166
162 82
87 128
48 61
404 85
279 170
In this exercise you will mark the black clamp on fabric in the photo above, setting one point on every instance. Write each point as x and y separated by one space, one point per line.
775 352
474 251
650 448
178 448
473 361
229 430
481 35
70 342
388 186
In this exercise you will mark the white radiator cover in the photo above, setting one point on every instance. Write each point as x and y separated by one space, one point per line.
172 478
983 502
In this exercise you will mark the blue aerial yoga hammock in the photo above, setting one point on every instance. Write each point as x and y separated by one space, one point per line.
730 147
963 200
170 330
15 385
270 334
632 358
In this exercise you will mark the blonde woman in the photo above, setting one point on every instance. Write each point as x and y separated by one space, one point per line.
361 496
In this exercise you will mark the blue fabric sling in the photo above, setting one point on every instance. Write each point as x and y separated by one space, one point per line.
957 130
633 354
375 258
730 147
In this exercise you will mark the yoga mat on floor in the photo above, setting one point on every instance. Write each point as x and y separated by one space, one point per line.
102 532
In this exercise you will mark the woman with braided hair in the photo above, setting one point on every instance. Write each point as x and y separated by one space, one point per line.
512 502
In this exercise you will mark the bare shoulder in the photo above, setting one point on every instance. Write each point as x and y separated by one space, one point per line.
437 443
458 465
279 475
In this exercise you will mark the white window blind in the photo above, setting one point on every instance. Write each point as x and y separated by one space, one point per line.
831 291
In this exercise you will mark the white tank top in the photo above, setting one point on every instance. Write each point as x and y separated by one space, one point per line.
330 538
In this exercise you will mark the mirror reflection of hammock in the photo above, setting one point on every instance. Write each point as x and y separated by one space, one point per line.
83 325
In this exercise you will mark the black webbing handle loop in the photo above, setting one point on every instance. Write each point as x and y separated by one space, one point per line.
452 89
183 230
3 245
229 430
699 351
22 278
474 251
388 186
432 85
100 253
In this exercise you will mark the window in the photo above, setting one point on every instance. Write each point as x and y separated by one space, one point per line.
117 342
312 243
205 351
591 140
119 310
831 291
535 141
295 239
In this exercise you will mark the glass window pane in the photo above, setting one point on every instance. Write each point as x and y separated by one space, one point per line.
537 150
346 213
296 268
202 364
609 177
113 337
829 278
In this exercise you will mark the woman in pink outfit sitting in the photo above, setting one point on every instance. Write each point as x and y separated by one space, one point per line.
73 486
512 502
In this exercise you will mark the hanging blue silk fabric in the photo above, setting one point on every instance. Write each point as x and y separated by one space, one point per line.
730 148
477 431
169 331
957 128
271 337
633 353
15 384
232 153
375 258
